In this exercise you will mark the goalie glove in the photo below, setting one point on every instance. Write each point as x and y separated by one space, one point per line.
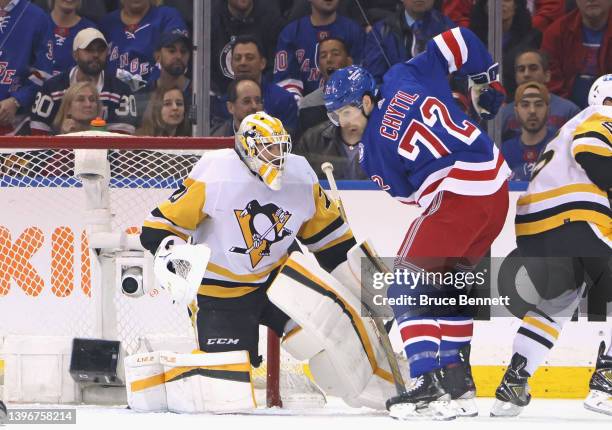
486 92
179 268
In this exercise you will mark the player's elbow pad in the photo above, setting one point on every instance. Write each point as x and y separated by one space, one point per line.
598 168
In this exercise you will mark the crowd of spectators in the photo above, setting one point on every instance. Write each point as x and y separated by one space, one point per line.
129 61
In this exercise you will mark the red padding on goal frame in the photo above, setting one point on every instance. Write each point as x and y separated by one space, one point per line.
114 142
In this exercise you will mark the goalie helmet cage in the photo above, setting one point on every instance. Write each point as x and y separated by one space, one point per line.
50 279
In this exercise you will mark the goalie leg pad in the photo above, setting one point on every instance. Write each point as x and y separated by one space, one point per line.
144 382
212 382
330 314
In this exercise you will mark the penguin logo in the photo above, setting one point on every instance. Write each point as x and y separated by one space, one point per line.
261 226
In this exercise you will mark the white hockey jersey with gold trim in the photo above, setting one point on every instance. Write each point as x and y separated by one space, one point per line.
560 190
248 226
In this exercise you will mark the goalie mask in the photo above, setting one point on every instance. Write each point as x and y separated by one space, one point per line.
263 145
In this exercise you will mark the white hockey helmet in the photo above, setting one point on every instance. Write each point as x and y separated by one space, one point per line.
600 90
263 145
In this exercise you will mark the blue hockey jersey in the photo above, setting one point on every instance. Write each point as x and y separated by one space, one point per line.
26 54
63 39
131 47
417 141
295 63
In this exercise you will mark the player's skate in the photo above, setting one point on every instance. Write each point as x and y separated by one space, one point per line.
600 396
458 382
425 398
513 393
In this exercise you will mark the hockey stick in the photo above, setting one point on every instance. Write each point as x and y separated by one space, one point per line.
381 330
368 23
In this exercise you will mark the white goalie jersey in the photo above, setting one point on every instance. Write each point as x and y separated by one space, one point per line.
248 226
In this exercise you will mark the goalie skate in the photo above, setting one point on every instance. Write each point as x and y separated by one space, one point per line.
424 399
600 396
512 395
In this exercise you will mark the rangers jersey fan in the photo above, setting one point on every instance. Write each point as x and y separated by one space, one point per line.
418 141
249 226
63 38
118 103
26 55
571 179
295 64
131 47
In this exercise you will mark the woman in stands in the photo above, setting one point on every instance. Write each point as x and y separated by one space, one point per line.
81 104
165 114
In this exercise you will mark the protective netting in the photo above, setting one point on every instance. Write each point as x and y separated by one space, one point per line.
49 284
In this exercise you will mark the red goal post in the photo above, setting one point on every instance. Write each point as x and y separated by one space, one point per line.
46 264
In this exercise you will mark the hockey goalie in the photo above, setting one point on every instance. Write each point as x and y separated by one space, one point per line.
242 210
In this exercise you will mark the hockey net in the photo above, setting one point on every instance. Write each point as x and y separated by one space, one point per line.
50 283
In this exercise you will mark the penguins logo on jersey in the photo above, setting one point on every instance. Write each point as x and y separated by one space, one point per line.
261 226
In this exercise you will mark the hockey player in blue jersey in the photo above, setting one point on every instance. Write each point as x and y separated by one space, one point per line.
422 149
26 55
133 32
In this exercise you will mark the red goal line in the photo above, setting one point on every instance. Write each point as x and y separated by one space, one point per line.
115 142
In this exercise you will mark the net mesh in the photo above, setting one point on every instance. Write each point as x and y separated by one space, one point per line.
46 269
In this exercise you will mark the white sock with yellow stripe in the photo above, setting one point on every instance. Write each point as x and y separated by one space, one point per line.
536 336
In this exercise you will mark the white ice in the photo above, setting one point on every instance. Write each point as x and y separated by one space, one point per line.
540 414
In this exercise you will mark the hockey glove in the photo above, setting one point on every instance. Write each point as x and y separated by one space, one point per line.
487 93
179 268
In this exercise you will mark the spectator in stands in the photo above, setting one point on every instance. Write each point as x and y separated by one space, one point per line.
403 35
133 33
532 65
247 61
518 34
90 51
80 105
295 62
243 98
375 10
165 114
66 23
172 56
580 48
336 144
458 11
93 10
232 18
522 151
333 55
26 60
545 12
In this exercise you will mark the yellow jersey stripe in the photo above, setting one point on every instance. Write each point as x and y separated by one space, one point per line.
187 210
542 326
592 149
568 189
555 221
224 292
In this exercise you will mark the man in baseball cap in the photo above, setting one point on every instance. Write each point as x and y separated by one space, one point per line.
90 52
85 37
531 106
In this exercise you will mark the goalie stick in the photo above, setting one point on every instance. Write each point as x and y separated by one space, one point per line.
381 330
